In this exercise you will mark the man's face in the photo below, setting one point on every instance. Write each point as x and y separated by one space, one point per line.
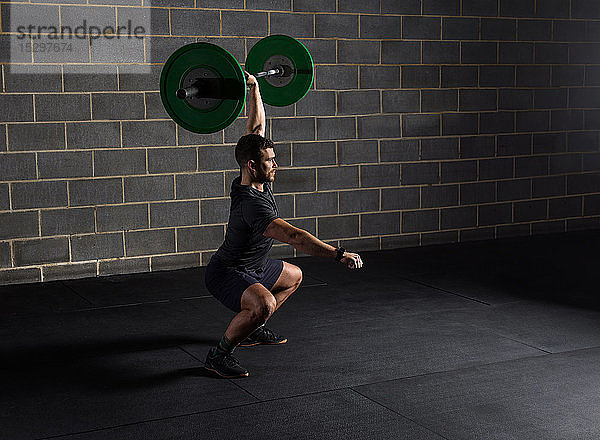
265 169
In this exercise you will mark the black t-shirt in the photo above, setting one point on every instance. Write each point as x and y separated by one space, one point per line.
251 211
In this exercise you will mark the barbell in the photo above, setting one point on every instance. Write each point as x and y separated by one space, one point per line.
203 87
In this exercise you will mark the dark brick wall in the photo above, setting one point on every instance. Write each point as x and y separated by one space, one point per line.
428 122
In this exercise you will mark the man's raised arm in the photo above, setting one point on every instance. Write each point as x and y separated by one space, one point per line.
307 243
256 111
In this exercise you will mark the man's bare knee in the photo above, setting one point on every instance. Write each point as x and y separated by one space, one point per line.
263 310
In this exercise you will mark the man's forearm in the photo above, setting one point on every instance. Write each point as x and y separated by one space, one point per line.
307 243
256 112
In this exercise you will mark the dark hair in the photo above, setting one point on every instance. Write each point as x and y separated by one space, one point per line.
249 146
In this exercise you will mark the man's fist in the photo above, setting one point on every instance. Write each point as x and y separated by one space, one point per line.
351 260
250 80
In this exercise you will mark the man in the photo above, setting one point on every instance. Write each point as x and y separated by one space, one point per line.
240 274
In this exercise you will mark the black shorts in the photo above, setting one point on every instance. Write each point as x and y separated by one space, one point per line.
227 284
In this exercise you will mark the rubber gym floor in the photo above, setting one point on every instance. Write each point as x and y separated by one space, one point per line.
479 340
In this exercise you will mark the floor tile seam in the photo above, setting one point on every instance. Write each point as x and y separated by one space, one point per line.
72 289
398 413
447 291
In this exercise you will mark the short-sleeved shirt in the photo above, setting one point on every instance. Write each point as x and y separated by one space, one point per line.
251 212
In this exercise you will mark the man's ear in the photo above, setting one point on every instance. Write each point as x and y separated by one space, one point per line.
251 166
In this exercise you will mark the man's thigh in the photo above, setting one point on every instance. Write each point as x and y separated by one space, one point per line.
291 276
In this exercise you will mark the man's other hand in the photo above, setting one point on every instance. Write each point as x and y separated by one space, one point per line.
351 260
250 80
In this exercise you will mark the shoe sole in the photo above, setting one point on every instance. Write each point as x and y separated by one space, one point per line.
226 377
263 343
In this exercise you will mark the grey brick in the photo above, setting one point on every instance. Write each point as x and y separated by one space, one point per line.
420 221
338 227
285 205
4 197
514 145
117 106
315 204
67 221
93 135
549 186
21 108
295 25
11 49
283 152
591 205
19 276
387 126
171 160
316 103
582 141
354 152
167 214
420 173
5 256
460 28
254 24
400 101
514 189
441 7
592 117
337 178
119 162
322 50
399 150
495 214
315 5
199 238
294 129
361 244
147 188
565 163
95 191
124 265
454 218
564 76
591 75
496 122
358 102
498 29
444 237
35 136
531 166
477 234
515 53
19 224
551 53
585 9
536 30
478 53
583 183
122 50
530 210
591 162
549 227
439 195
89 78
17 166
579 97
380 223
565 207
477 193
216 158
420 125
359 201
73 107
404 7
481 99
336 128
295 180
439 148
515 99
39 194
278 5
399 198
461 171
69 271
439 100
131 77
549 143
420 76
160 48
122 217
492 169
2 137
459 123
400 52
314 153
533 76
74 16
477 146
149 242
155 21
459 76
65 164
174 262
332 25
185 22
533 121
441 52
358 6
216 210
550 98
497 76
552 9
189 138
480 7
199 185
96 246
380 26
426 28
33 78
517 8
378 77
235 46
39 251
379 175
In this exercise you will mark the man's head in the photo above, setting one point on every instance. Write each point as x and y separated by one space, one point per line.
255 156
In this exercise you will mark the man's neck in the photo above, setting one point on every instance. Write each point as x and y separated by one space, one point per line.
247 180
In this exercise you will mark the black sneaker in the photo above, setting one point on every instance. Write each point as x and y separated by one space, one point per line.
263 335
225 365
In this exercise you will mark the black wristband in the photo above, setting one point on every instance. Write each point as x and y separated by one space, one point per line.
340 253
